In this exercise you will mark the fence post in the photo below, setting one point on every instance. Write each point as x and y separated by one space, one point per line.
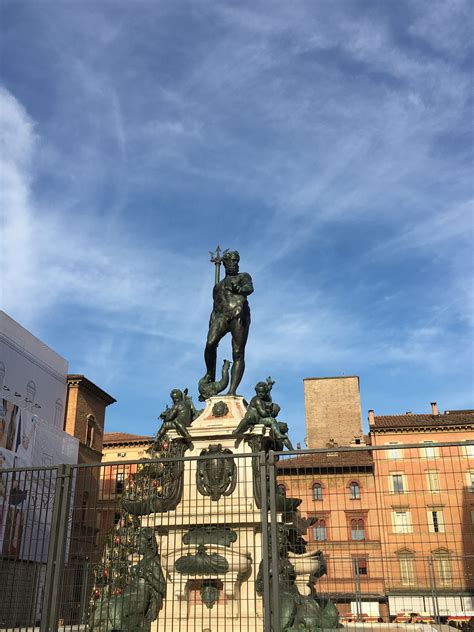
275 553
85 590
355 564
267 604
56 549
434 595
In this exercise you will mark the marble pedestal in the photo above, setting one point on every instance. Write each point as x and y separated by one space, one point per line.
239 607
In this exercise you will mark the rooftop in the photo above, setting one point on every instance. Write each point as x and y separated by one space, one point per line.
125 437
356 458
410 420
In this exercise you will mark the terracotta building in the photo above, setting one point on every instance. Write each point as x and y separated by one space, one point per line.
338 491
426 496
117 447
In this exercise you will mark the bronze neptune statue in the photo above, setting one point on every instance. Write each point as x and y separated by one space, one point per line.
230 314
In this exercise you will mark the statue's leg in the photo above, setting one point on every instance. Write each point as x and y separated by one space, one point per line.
273 423
218 327
162 431
183 432
243 425
288 444
240 331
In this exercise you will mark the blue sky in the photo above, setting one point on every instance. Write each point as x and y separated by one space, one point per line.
329 142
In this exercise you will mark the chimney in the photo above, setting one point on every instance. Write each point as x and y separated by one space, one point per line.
371 418
434 408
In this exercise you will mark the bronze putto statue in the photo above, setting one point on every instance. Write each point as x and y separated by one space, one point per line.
262 410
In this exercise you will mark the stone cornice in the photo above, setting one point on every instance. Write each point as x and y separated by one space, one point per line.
76 381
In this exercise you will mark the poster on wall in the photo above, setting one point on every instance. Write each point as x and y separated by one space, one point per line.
6 461
8 425
25 436
16 501
27 496
50 447
37 489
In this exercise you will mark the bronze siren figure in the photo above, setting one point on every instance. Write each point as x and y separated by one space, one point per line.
230 314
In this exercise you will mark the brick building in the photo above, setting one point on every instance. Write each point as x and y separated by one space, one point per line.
427 507
86 404
85 416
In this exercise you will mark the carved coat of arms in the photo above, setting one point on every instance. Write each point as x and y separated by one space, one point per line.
216 477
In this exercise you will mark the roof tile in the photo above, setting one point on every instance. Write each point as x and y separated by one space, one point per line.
330 459
124 437
415 421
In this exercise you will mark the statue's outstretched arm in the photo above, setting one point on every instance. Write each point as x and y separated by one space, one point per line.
246 285
260 407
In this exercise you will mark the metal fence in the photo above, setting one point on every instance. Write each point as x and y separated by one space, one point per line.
395 527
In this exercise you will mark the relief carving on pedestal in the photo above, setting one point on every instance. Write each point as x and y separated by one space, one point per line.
216 477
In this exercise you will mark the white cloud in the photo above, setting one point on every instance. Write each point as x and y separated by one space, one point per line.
51 258
16 148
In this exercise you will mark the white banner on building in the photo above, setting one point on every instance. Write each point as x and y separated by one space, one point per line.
27 497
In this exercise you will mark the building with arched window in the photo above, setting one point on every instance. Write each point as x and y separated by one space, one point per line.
317 491
354 490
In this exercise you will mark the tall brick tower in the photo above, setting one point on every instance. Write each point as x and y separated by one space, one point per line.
333 413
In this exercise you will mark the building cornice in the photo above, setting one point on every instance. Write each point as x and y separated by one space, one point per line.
130 442
422 429
76 381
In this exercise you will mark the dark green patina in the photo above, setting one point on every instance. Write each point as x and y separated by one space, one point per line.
209 594
296 612
262 410
202 563
220 409
216 477
132 606
157 487
212 534
207 388
230 314
179 417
